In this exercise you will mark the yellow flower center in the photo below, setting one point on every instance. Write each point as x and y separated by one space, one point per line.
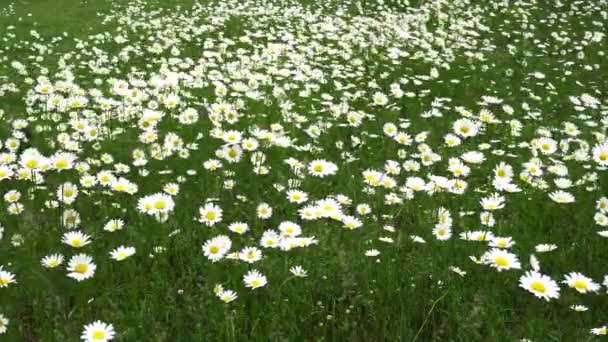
538 287
61 164
210 215
214 249
99 335
31 164
501 261
579 284
81 268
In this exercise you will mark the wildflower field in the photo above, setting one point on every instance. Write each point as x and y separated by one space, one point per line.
284 170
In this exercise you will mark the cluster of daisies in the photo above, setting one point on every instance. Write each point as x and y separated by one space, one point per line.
309 120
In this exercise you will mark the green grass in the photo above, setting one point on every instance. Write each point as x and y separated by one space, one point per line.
406 293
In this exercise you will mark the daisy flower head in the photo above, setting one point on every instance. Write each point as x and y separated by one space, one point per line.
159 204
372 177
232 153
67 193
579 308
239 227
6 278
561 196
70 218
98 332
493 202
12 196
451 140
270 239
309 212
602 204
502 242
297 196
232 137
250 254
52 261
171 189
32 159
416 183
372 252
390 129
329 208
254 279
114 225
210 214
465 128
442 232
540 285
503 171
379 99
162 203
601 331
216 248
298 271
600 153
581 283
212 164
289 229
3 324
545 247
501 259
321 168
478 235
264 211
351 222
226 296
76 239
473 157
547 145
81 267
122 252
363 209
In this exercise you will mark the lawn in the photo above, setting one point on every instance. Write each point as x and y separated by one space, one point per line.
249 170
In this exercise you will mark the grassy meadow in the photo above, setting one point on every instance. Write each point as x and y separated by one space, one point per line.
284 170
